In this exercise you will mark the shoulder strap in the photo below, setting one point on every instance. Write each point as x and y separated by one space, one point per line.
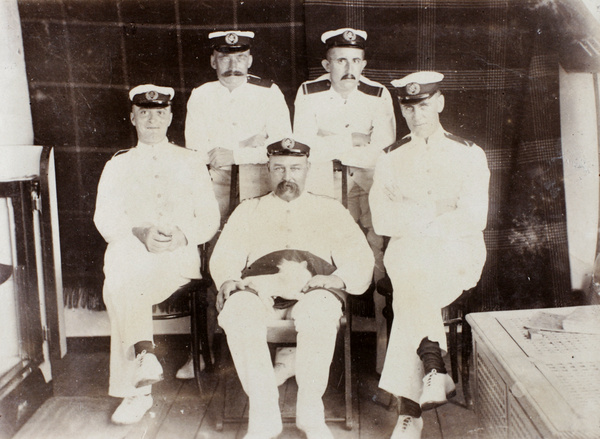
397 144
371 90
316 87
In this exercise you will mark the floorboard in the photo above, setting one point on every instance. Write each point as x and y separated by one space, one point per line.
82 409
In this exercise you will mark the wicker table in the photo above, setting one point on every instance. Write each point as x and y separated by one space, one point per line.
535 383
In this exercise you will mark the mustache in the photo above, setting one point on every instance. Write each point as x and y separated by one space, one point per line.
287 186
232 73
348 76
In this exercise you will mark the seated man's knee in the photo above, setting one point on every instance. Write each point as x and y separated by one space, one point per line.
318 310
242 309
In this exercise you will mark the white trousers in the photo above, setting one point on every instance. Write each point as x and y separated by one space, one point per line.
316 316
134 281
427 274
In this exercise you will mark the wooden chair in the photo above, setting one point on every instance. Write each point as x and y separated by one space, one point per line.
283 333
190 301
453 316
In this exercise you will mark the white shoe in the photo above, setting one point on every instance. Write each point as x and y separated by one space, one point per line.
186 372
408 427
285 364
437 387
148 370
132 409
319 431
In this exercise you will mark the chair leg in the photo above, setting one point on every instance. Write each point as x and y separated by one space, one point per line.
348 371
221 357
467 350
202 307
194 326
453 348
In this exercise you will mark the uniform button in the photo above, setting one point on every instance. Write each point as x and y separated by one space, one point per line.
289 230
154 158
159 195
288 211
234 124
156 176
347 125
428 192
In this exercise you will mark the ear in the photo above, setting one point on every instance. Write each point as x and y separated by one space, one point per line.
213 62
364 64
170 118
132 118
250 59
441 103
326 65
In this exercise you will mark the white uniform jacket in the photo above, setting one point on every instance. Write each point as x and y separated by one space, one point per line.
219 118
157 184
325 121
313 223
441 189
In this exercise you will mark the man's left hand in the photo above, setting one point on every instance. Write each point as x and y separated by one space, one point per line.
220 157
178 239
323 281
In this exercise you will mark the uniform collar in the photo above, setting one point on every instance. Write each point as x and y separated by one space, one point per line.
145 146
437 136
303 196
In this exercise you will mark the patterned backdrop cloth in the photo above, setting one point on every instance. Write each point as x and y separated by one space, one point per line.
500 61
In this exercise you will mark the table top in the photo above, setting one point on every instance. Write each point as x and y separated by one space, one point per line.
555 371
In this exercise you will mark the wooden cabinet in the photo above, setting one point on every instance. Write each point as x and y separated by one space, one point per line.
547 386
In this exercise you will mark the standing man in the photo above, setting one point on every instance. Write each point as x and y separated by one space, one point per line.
288 224
232 120
430 195
348 118
155 206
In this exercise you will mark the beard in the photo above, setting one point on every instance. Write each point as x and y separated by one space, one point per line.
287 188
229 73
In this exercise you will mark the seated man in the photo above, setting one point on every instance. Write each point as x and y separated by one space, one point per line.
430 196
288 224
155 206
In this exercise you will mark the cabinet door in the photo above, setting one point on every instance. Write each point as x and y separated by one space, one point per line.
491 396
22 386
520 425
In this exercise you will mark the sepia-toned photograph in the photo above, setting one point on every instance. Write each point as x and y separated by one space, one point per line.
260 219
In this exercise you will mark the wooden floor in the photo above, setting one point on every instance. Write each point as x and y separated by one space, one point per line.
82 409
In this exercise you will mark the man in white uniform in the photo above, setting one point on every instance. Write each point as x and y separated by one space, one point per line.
155 205
232 120
430 195
288 223
348 118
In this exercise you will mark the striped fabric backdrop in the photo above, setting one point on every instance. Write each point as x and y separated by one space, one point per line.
501 83
500 64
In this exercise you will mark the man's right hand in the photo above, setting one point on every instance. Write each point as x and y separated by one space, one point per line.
156 240
225 291
256 141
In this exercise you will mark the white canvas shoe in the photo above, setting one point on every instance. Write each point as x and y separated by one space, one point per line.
186 372
285 364
408 427
148 370
437 388
132 409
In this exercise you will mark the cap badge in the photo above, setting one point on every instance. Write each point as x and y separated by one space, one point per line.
231 38
287 143
349 36
413 89
151 95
